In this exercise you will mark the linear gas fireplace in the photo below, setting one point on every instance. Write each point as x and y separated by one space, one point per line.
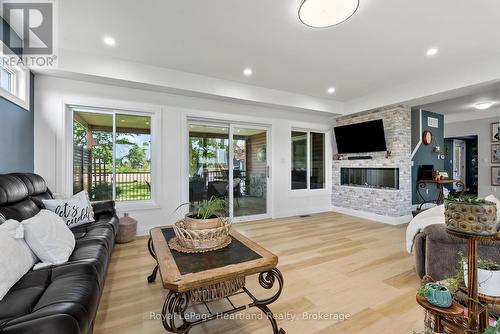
378 178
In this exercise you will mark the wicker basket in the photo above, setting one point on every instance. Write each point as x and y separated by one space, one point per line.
217 291
478 219
191 223
202 239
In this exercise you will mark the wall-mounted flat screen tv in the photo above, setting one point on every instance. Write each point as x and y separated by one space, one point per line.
361 137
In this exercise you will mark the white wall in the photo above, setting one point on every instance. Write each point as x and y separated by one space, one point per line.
481 128
53 94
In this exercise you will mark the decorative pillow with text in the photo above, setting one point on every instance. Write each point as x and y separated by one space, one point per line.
75 211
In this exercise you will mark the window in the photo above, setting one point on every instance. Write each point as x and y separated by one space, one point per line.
7 80
308 160
112 155
15 84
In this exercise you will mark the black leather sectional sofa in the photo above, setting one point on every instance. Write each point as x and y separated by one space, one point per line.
63 298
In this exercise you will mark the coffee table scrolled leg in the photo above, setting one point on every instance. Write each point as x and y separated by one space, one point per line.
267 280
152 277
173 310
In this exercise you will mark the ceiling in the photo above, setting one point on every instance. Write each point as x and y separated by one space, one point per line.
195 128
382 46
101 120
466 102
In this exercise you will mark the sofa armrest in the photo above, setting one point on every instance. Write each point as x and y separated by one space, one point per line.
104 207
43 324
419 251
437 233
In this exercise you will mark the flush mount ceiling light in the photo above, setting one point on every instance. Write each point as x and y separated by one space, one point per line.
110 41
483 105
247 72
326 13
432 52
331 90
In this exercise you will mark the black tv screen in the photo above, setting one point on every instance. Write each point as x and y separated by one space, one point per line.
361 137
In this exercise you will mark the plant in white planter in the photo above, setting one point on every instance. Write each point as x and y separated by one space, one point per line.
488 277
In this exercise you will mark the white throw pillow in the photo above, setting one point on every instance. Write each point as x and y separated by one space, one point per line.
16 258
75 211
48 237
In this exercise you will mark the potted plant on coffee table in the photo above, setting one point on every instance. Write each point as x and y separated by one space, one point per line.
207 214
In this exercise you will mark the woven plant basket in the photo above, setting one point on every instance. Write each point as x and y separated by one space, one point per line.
202 224
202 239
478 219
217 291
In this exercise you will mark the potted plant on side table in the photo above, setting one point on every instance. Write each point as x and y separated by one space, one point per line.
471 215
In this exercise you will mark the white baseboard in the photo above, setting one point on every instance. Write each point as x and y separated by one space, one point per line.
373 216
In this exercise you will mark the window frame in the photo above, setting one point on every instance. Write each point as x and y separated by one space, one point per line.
20 81
155 147
309 160
12 81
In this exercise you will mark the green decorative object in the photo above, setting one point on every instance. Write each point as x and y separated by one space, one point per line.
437 295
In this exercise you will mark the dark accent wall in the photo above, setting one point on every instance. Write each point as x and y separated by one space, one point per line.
16 135
425 155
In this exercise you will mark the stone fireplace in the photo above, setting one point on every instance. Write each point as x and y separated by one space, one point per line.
378 188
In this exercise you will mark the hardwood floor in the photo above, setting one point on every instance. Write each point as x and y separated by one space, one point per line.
334 265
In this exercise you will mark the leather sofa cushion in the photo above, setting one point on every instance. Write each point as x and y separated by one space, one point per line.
12 190
34 183
19 211
70 289
97 252
104 233
20 302
74 295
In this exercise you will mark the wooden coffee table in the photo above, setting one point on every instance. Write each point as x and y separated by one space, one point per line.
182 272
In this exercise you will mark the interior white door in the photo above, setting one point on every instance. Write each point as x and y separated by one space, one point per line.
459 162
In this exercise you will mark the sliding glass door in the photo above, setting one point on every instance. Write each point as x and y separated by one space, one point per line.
231 162
208 162
249 171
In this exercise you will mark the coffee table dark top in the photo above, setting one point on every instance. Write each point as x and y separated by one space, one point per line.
182 272
237 252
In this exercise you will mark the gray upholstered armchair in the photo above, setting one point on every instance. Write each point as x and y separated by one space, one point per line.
437 256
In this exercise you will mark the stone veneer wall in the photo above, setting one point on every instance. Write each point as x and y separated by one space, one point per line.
386 202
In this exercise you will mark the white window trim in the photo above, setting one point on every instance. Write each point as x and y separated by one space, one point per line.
21 80
308 190
123 108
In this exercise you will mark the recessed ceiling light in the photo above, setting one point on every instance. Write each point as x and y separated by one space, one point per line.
483 105
110 41
432 52
247 72
326 13
331 90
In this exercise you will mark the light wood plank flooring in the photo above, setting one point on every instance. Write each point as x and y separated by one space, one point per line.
332 263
